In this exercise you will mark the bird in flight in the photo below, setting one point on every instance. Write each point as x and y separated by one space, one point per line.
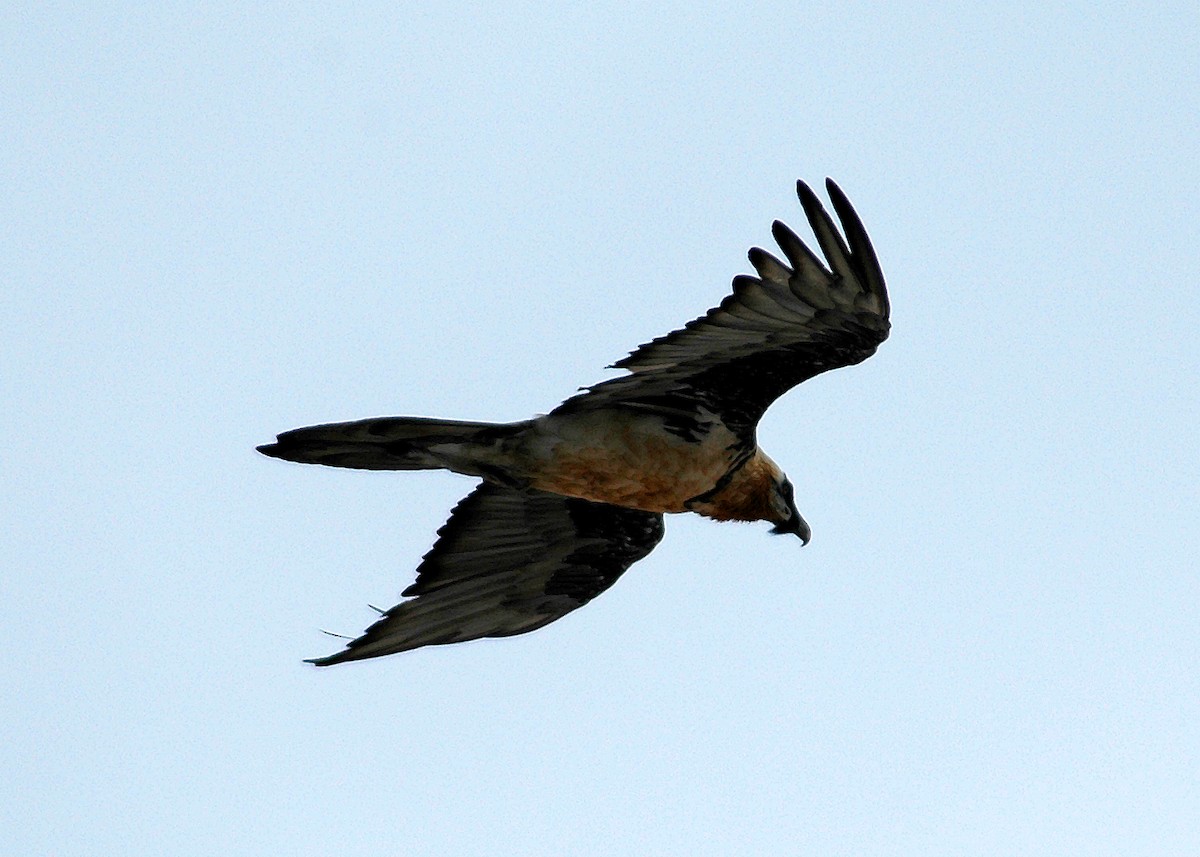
569 500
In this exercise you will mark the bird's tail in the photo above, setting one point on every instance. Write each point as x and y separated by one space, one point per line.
401 443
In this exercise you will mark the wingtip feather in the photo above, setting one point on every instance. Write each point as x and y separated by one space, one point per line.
862 252
806 194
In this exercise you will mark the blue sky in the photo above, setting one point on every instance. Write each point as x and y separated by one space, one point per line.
222 221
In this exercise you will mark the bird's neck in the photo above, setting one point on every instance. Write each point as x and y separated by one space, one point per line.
747 494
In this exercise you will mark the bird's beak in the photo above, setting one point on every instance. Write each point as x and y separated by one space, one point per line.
803 530
797 526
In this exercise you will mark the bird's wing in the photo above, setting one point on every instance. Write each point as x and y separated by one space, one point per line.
791 322
506 562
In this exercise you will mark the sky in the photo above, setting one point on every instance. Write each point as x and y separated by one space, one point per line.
224 221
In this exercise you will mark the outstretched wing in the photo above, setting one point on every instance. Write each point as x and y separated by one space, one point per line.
506 562
791 322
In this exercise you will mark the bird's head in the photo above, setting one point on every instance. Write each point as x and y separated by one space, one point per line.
787 517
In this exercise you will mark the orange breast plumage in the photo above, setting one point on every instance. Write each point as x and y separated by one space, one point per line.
630 461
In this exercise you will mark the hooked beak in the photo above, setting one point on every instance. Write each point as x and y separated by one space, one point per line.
796 526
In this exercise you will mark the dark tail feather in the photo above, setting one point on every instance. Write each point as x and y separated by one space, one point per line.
390 443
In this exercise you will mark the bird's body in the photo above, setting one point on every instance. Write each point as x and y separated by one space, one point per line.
570 499
624 457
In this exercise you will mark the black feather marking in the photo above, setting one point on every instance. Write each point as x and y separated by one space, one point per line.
614 539
769 335
828 237
803 260
508 562
866 263
742 389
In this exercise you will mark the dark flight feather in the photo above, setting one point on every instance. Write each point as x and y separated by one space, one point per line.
506 562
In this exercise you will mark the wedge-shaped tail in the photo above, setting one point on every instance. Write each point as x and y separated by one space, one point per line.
396 443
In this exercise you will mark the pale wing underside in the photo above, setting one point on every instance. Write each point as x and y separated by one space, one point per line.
791 322
506 562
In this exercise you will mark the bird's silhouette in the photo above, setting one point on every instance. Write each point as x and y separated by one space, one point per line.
569 500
